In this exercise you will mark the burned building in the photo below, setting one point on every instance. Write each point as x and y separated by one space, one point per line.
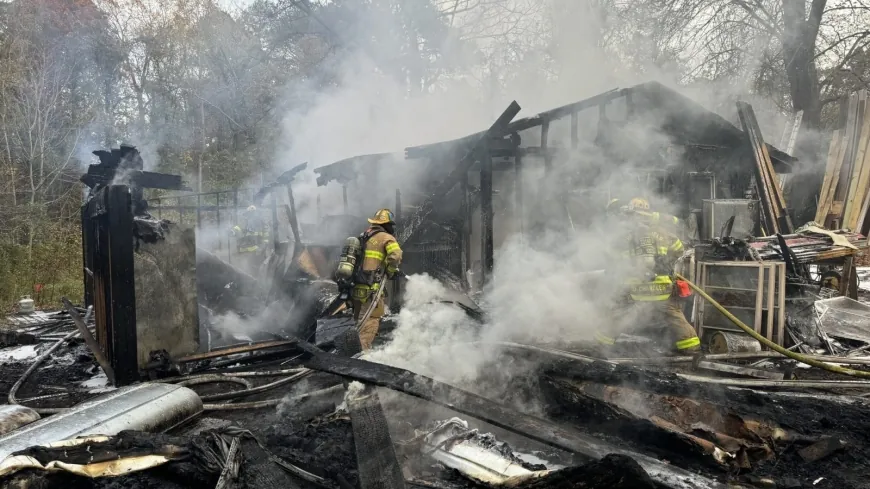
563 166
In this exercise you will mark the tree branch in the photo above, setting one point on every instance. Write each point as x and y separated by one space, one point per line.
767 26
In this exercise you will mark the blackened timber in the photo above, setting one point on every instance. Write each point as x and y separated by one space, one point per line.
486 214
519 125
491 412
545 145
119 290
466 230
100 175
376 458
294 221
519 213
274 232
89 339
456 175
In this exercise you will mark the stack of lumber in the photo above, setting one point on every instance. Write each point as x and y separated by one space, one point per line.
844 198
809 247
774 215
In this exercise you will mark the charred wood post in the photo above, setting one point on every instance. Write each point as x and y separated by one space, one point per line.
486 213
283 180
274 233
457 174
545 145
110 222
518 190
466 231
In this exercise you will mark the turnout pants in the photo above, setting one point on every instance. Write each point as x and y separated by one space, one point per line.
641 316
369 328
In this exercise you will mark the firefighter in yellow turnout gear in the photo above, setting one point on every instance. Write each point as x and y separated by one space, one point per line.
253 235
652 248
381 259
252 239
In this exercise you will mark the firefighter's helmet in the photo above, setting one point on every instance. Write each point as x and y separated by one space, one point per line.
252 208
638 204
383 216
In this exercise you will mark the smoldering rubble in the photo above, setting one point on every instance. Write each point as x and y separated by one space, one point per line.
206 357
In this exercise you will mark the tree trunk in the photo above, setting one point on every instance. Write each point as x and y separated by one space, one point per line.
798 49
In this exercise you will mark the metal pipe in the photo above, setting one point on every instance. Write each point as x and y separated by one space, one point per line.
37 363
272 402
257 390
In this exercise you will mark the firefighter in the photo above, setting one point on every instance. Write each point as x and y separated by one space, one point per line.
381 259
652 247
251 238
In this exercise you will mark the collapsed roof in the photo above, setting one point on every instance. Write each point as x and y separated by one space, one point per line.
684 120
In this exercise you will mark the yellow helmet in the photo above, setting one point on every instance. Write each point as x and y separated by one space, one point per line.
638 204
383 216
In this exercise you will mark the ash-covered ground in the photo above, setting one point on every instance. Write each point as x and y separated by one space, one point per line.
318 438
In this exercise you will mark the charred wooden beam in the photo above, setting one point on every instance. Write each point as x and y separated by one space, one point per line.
414 222
545 147
110 229
89 339
486 214
429 150
519 212
466 207
491 412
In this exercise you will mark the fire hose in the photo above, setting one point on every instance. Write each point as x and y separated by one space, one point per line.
770 344
374 303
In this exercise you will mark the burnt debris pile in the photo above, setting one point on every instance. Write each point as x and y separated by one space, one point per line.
214 348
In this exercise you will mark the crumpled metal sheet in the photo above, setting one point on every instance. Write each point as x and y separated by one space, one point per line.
842 317
478 457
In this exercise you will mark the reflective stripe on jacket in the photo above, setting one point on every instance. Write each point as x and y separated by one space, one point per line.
382 251
653 252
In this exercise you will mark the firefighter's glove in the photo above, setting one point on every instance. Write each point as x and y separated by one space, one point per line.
396 274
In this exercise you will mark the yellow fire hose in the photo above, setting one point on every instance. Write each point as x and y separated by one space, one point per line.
773 346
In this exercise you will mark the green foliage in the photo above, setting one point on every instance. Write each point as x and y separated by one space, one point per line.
55 264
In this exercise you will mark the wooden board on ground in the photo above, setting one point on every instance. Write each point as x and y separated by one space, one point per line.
491 412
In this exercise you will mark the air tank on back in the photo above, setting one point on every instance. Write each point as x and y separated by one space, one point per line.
347 261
